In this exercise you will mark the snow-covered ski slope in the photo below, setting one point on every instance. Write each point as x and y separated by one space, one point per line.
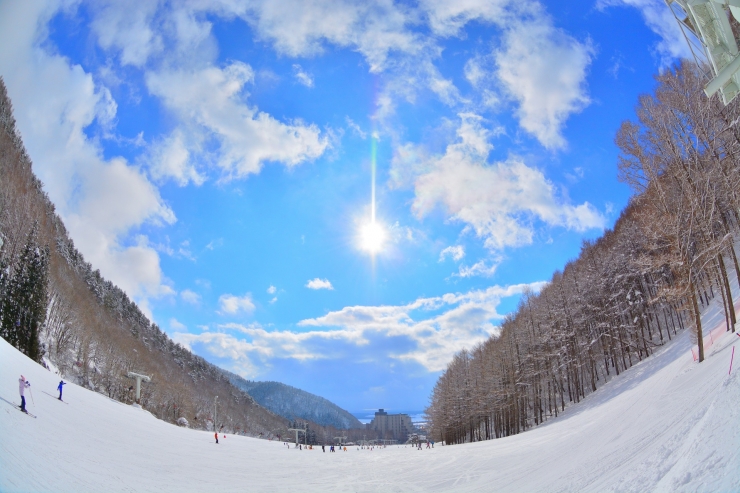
668 424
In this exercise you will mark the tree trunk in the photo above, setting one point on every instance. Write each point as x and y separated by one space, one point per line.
697 321
730 303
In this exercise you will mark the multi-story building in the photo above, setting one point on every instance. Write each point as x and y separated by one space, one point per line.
393 426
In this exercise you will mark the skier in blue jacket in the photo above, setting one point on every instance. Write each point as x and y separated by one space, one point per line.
61 384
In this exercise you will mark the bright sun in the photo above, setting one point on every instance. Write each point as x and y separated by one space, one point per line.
372 237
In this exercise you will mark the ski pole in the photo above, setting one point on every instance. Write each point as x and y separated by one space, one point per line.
31 391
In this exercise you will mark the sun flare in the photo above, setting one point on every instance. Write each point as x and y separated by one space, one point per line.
372 237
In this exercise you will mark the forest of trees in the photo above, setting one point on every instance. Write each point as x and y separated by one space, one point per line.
671 251
55 308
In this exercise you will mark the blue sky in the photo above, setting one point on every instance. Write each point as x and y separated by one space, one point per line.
216 160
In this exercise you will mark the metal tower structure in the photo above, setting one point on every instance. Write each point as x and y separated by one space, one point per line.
715 24
139 378
297 431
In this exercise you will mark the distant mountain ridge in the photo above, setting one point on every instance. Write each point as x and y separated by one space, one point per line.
292 403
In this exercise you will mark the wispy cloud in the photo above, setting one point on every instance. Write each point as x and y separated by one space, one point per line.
432 331
544 70
497 201
356 128
213 244
319 284
232 305
190 297
456 252
210 104
302 76
659 18
482 268
176 325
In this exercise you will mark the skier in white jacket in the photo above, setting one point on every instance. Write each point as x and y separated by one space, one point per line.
22 385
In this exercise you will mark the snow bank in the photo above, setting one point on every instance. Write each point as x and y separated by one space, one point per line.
668 424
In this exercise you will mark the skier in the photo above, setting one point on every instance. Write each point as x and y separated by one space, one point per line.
61 384
323 449
216 435
23 384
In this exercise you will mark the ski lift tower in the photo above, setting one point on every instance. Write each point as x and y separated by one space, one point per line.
297 431
340 439
138 377
714 24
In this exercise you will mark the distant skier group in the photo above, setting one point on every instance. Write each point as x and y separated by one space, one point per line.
24 384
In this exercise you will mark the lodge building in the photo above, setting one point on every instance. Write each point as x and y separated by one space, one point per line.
395 426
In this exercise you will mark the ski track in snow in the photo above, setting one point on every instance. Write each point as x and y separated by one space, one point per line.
667 424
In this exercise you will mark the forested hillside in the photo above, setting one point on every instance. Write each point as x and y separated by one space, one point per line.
55 306
629 292
293 403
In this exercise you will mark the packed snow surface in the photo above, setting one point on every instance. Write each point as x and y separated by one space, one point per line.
668 424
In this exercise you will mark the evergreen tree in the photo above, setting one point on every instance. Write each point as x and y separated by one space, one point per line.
24 298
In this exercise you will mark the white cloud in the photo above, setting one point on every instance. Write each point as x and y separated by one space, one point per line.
213 244
319 284
482 268
170 158
456 252
497 201
385 32
204 283
100 200
544 70
435 329
473 71
177 326
372 28
129 28
356 128
190 297
538 66
230 304
182 251
210 104
272 289
302 76
448 17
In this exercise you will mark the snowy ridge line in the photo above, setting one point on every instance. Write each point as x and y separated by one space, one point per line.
294 403
93 331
